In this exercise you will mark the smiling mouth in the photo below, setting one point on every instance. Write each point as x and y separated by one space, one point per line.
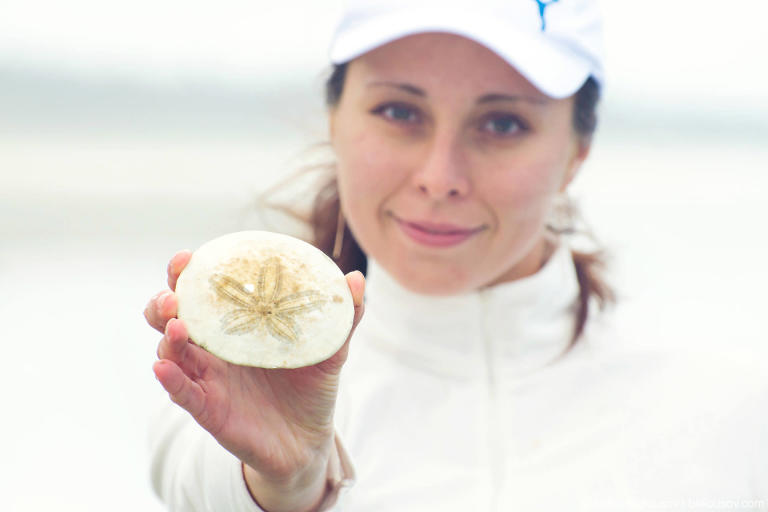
436 234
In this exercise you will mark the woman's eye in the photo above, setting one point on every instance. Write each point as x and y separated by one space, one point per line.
504 125
397 113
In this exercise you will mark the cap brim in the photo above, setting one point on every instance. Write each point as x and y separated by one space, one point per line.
553 70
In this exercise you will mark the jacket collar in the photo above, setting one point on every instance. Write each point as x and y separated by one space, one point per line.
513 328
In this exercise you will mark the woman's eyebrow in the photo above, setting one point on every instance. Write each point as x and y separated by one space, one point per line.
405 87
487 98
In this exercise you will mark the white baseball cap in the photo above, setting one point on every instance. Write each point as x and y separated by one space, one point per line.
555 44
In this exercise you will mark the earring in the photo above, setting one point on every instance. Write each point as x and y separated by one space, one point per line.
338 242
560 219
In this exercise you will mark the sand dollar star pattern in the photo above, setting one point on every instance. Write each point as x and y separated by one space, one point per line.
263 304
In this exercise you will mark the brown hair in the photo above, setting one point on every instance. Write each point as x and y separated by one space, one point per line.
325 212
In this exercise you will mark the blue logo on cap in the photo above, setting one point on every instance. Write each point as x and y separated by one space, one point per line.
542 7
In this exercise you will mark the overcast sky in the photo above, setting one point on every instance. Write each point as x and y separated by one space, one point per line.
686 51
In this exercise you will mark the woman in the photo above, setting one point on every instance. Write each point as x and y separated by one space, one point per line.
478 380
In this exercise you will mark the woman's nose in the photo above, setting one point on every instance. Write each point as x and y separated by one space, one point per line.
444 172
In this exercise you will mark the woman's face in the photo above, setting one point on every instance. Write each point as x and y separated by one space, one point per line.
448 161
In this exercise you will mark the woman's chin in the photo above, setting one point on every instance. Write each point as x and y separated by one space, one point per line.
432 279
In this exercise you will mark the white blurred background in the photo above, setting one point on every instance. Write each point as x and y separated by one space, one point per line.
129 130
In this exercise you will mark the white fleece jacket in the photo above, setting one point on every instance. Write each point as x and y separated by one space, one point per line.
466 403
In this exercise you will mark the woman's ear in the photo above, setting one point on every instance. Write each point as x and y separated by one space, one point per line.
580 153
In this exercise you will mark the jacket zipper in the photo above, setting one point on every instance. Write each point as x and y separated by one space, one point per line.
495 441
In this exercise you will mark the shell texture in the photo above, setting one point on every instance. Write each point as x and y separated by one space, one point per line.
265 299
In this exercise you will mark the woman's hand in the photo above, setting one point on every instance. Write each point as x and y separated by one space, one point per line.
279 422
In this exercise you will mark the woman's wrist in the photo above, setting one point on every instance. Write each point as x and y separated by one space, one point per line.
304 493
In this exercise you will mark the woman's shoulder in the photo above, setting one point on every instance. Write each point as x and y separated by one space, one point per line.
705 387
681 399
703 373
721 366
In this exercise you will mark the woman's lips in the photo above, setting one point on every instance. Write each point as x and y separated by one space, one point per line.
436 234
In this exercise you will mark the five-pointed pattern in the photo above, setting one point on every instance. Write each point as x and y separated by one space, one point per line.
263 304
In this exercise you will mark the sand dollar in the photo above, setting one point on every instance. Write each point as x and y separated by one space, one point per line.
265 299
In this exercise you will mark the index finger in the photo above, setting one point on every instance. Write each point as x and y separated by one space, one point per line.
176 265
